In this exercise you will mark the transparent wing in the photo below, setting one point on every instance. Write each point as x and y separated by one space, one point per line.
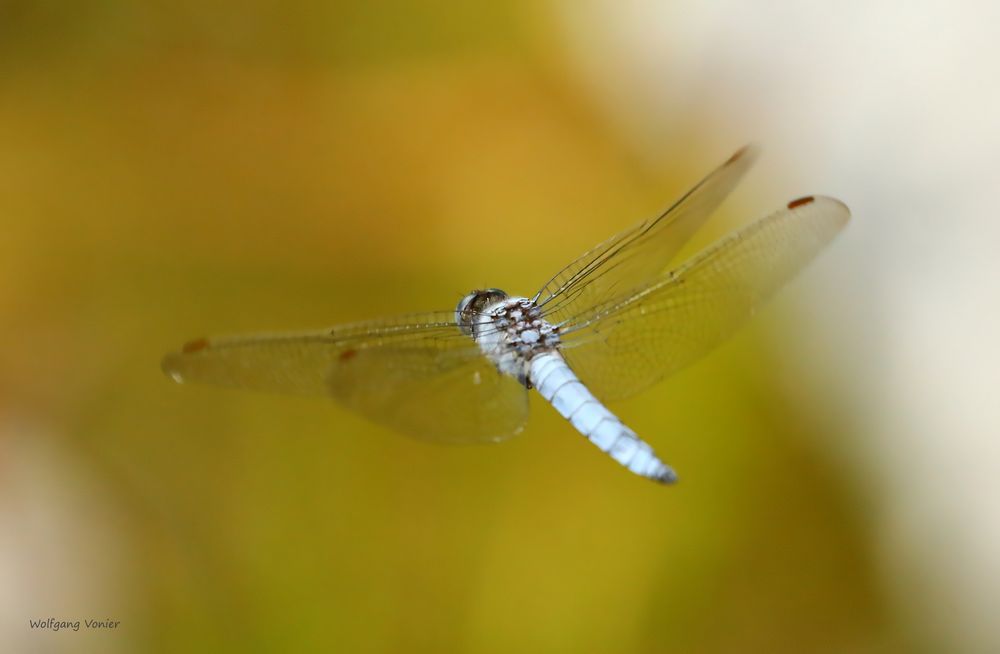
623 346
634 257
419 375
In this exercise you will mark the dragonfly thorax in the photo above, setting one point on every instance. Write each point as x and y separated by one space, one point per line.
510 331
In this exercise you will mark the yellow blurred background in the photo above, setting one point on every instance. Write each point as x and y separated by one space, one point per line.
175 169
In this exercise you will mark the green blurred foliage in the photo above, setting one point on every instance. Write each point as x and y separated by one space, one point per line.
173 169
339 34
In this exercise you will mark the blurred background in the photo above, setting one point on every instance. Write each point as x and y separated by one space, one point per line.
175 169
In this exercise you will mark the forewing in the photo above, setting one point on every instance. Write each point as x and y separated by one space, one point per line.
620 348
636 256
419 375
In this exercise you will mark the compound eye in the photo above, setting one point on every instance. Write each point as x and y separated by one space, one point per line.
463 313
463 304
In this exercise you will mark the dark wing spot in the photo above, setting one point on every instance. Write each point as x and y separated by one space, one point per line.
801 202
736 155
197 345
347 355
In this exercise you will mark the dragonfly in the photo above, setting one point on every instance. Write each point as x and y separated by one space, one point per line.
615 321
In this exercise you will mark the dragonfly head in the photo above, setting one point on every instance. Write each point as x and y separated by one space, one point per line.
474 304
